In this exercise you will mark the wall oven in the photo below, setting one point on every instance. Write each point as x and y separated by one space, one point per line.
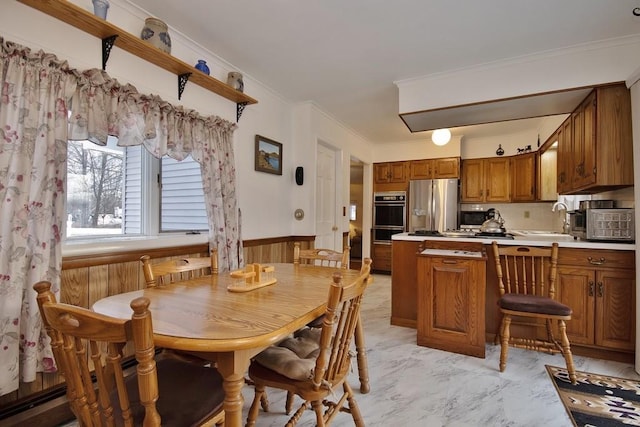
389 215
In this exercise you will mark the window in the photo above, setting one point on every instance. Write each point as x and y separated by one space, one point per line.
182 198
111 192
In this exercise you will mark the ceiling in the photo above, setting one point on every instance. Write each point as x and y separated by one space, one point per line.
345 55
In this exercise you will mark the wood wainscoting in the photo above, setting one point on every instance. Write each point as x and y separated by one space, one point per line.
86 279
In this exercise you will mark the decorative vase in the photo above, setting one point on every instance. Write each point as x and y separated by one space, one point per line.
202 66
100 8
156 33
234 79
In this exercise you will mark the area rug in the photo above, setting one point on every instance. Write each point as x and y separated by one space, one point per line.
598 400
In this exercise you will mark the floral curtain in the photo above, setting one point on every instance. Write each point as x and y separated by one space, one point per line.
37 93
36 88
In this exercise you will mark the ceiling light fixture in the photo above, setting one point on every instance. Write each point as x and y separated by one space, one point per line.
441 136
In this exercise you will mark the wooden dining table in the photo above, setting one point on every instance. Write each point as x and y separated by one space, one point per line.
203 317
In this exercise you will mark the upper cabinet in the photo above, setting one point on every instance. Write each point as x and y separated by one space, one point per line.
390 172
486 180
595 149
523 178
547 169
443 168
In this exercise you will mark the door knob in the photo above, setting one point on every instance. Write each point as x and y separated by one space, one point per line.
334 228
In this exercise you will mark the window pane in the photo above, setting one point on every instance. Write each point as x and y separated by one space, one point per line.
182 198
94 188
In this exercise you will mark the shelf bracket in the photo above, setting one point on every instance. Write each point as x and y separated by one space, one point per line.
107 44
239 109
182 82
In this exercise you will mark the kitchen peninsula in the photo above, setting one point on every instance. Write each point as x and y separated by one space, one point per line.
596 279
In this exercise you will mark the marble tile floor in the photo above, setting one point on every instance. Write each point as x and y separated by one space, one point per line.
419 386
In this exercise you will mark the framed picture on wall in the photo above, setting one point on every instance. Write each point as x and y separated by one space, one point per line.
268 156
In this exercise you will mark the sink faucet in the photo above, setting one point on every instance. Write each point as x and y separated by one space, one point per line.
558 206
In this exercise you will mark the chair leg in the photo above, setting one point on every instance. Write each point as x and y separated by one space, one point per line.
504 343
318 408
363 368
566 351
289 404
353 406
253 410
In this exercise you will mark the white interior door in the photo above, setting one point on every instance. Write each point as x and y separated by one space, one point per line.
327 231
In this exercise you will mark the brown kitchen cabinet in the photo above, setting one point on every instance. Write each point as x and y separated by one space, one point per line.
597 154
523 178
404 283
381 257
486 180
445 168
390 172
451 301
599 286
547 169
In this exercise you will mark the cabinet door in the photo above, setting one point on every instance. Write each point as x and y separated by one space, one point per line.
615 309
421 169
588 168
451 304
575 287
497 180
577 119
381 173
472 185
397 172
565 156
446 168
523 178
404 281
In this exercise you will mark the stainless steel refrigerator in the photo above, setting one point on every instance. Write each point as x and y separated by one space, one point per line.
433 205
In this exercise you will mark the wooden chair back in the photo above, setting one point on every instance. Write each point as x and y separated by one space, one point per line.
83 341
340 320
178 269
321 257
526 270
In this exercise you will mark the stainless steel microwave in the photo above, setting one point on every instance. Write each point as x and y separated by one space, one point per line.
615 224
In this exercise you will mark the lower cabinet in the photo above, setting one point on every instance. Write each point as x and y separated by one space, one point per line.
381 256
451 303
599 286
404 288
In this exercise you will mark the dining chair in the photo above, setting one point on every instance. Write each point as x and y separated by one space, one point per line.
526 280
159 391
178 269
321 257
331 258
316 374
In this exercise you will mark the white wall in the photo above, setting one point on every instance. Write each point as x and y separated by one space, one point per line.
267 201
604 62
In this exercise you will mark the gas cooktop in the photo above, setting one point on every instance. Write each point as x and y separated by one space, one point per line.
461 233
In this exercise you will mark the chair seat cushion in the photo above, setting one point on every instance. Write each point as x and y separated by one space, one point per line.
294 357
533 304
189 393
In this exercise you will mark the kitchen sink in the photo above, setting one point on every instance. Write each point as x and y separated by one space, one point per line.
538 233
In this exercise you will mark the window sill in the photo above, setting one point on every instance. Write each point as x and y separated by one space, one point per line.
110 245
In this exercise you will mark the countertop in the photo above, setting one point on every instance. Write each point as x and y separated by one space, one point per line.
564 241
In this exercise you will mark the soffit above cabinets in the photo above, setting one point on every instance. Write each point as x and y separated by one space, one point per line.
544 104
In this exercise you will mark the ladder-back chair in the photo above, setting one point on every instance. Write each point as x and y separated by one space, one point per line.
526 280
159 391
321 257
319 375
178 269
330 258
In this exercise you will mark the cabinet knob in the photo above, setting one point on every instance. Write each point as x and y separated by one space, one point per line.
591 287
592 261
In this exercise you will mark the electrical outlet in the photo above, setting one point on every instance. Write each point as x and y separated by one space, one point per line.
527 214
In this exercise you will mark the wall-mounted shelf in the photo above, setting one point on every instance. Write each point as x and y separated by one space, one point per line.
112 35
